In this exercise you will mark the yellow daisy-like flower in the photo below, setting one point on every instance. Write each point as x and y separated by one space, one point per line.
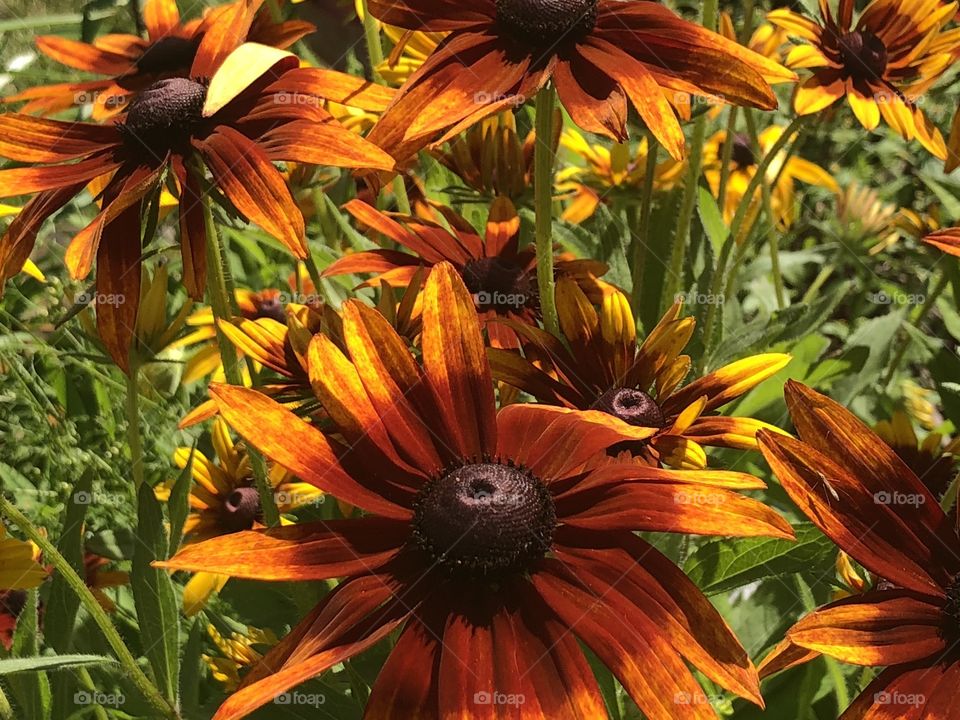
236 654
224 500
19 569
601 366
882 64
205 360
608 172
783 174
932 458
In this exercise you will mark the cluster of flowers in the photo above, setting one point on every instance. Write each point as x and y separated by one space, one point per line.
495 448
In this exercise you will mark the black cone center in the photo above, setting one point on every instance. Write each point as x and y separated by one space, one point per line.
240 510
632 406
547 23
272 308
499 285
484 519
163 117
863 55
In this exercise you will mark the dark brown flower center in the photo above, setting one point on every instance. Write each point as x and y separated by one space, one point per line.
742 154
484 520
169 55
632 406
163 117
12 602
547 23
499 285
240 510
863 55
272 307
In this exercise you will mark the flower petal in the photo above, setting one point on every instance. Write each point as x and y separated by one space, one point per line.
297 446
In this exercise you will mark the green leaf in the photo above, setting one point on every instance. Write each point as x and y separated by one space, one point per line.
50 662
154 597
62 605
722 565
712 219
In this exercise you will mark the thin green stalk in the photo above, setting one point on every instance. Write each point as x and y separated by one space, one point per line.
773 239
688 202
543 161
818 282
221 301
132 407
97 614
726 156
639 263
928 304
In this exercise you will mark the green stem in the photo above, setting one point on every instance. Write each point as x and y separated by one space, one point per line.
726 156
97 614
132 407
672 283
773 238
221 301
928 304
643 229
818 282
543 160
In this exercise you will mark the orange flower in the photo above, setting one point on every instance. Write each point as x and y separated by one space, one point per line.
134 63
856 489
883 64
487 543
598 53
498 272
235 116
600 365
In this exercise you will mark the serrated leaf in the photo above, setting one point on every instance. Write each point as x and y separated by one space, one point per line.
723 565
154 597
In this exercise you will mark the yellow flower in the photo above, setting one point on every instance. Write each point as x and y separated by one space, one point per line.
783 174
882 64
224 500
236 654
600 365
19 569
614 172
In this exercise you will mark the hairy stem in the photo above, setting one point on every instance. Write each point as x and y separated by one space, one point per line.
543 161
